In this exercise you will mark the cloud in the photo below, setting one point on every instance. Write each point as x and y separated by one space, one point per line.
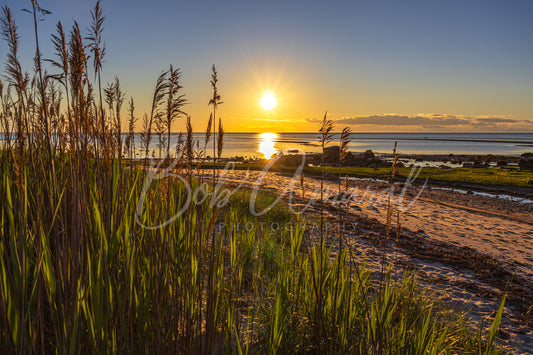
402 120
497 120
432 120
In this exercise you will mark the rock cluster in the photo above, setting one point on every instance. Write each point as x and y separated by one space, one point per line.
332 157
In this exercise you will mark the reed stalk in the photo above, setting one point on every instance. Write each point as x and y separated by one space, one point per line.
175 100
98 49
214 101
130 139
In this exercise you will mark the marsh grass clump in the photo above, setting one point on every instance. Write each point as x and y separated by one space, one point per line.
93 259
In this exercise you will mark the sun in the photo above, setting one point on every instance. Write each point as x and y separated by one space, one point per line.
268 101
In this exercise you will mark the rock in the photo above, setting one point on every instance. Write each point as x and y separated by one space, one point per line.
365 159
477 164
313 159
331 154
526 161
467 165
489 158
369 155
444 167
290 160
501 163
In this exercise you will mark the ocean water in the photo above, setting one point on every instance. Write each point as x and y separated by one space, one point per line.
259 145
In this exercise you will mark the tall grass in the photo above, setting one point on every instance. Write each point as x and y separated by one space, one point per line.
215 101
80 274
98 50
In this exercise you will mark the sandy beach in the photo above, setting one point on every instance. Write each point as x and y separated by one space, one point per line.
467 248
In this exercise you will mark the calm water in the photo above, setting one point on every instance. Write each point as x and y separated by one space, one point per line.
259 145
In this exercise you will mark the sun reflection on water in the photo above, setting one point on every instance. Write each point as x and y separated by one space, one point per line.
266 144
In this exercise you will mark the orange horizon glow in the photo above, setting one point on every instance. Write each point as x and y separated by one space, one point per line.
300 103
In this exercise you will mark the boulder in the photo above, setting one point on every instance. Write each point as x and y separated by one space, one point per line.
501 163
477 164
291 160
331 154
366 157
313 159
369 155
526 161
362 159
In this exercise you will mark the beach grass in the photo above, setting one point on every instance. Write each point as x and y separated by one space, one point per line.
141 290
495 176
482 176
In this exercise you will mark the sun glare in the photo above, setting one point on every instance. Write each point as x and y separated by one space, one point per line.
268 101
266 144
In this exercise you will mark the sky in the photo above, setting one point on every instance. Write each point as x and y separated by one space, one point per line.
377 66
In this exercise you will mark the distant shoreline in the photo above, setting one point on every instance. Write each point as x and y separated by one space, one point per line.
253 145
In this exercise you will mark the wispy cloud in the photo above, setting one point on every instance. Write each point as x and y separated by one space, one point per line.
499 120
273 120
435 120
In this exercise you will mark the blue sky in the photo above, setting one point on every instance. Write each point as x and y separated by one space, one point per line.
360 60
